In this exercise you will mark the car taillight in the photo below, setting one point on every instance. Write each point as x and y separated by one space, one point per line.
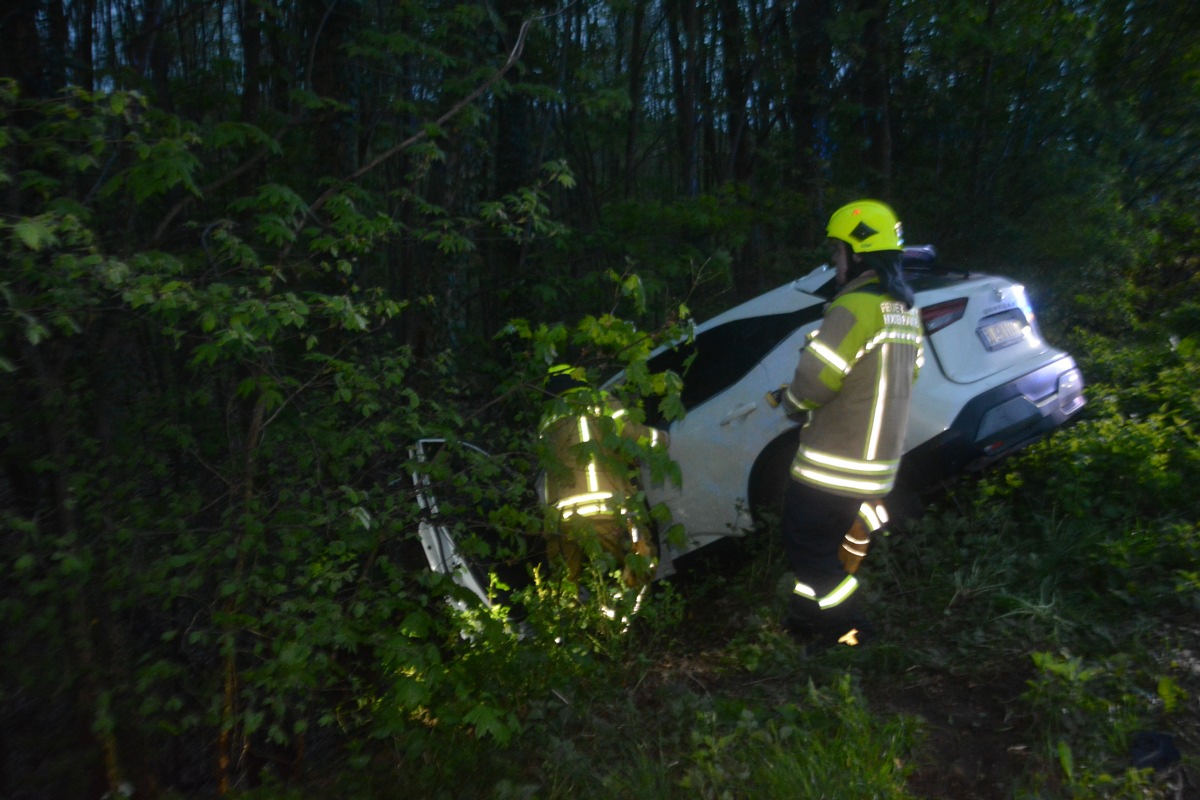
940 315
1070 391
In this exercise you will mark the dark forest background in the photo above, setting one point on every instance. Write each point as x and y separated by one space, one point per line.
252 249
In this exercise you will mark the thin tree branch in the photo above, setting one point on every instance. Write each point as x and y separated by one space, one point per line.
513 56
241 169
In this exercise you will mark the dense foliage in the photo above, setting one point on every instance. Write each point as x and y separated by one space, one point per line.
254 250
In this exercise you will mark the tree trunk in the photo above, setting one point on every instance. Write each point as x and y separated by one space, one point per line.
808 99
737 82
683 28
982 131
20 56
85 38
637 60
250 26
875 91
326 35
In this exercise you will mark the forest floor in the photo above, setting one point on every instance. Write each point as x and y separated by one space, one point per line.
976 747
979 737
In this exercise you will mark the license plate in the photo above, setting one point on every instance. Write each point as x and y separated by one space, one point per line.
1001 334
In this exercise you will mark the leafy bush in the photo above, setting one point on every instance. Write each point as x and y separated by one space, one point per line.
1070 695
1135 455
210 530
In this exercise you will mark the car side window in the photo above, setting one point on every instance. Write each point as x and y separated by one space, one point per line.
725 354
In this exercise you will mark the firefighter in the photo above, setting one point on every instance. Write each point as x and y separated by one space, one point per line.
589 490
851 387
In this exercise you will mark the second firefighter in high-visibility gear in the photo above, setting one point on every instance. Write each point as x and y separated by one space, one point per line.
590 490
853 384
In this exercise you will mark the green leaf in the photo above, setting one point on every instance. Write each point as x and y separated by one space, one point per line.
410 692
489 721
1066 759
417 625
1171 694
275 229
35 233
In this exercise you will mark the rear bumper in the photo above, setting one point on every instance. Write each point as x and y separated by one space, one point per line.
999 422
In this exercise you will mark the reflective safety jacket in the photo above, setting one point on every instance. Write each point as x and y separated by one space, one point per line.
596 484
855 376
590 486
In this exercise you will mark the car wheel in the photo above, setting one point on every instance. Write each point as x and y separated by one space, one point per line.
904 504
769 477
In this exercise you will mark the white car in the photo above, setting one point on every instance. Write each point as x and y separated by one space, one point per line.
990 384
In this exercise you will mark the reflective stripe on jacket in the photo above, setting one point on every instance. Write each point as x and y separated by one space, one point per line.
855 375
590 483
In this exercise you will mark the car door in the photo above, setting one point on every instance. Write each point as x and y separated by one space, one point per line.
727 372
713 446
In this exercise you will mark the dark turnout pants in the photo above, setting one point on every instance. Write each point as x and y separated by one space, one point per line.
813 526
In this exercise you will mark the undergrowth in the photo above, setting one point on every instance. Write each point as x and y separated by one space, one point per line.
1073 566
